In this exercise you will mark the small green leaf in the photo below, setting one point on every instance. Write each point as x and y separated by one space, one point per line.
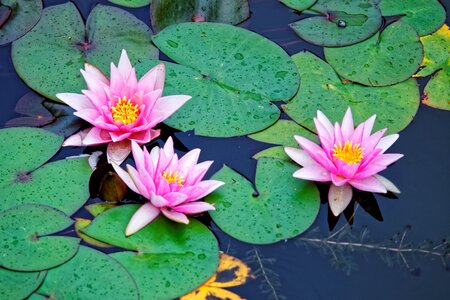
339 23
50 56
165 251
384 59
425 16
322 89
91 274
280 208
437 93
97 208
80 224
299 5
168 12
132 3
19 285
25 244
436 49
273 152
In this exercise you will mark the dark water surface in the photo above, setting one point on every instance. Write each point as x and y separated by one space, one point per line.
291 269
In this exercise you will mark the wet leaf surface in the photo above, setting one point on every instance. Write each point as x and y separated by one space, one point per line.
299 5
131 3
436 49
280 208
168 12
19 285
49 57
273 152
165 252
384 59
91 274
25 244
339 23
239 74
61 184
17 17
80 224
437 93
322 89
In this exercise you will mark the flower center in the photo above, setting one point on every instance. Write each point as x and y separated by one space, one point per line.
125 111
349 153
173 177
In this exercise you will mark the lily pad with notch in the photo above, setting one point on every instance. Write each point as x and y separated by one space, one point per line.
131 3
299 5
61 184
425 16
234 83
50 56
339 23
322 89
282 133
386 58
17 17
437 93
279 207
163 252
19 285
26 242
168 12
91 274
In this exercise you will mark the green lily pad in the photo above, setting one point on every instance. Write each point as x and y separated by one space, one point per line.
281 207
384 59
168 12
19 285
322 89
425 16
170 259
131 3
50 56
80 224
282 133
339 23
61 184
232 85
436 49
91 274
25 243
98 208
273 152
299 5
437 93
22 16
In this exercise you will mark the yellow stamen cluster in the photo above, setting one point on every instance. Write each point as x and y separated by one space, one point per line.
125 112
173 177
349 153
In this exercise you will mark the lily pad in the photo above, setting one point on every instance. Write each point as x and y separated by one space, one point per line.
278 208
20 16
165 252
436 49
50 56
61 184
384 59
437 93
322 89
91 274
19 285
98 208
80 224
299 5
168 12
232 86
25 243
339 23
425 16
273 152
282 133
131 3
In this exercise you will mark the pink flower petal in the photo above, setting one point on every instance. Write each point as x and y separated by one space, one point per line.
339 197
386 142
316 153
205 188
368 126
89 115
347 124
96 136
326 139
94 71
153 79
125 177
189 160
175 216
175 198
144 187
386 159
166 106
94 83
124 65
369 144
314 173
168 148
197 172
369 184
193 208
299 156
118 151
325 122
76 139
141 218
387 183
338 180
117 136
158 201
143 137
76 101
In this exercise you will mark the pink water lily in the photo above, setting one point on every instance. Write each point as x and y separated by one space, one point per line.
121 109
347 157
172 186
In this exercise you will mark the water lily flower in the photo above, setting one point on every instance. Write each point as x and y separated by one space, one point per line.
121 109
348 157
172 186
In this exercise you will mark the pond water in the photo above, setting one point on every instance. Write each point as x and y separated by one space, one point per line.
296 269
